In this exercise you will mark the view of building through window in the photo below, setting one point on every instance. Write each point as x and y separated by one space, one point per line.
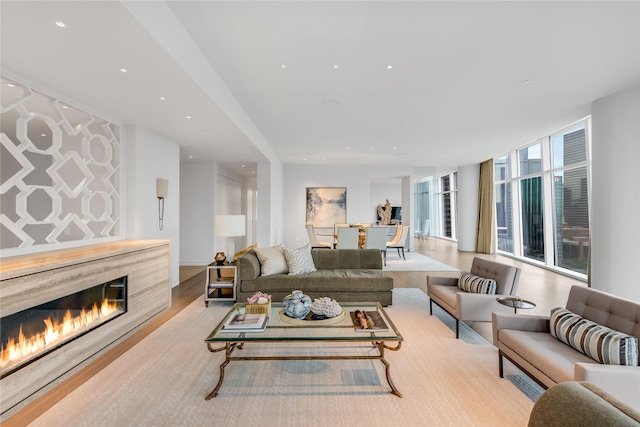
541 199
552 172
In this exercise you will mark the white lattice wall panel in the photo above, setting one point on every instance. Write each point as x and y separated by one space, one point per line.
59 170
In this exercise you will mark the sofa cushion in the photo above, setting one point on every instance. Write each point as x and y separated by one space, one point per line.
471 283
542 352
272 260
596 341
299 260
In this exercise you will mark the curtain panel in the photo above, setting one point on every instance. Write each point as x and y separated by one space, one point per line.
485 242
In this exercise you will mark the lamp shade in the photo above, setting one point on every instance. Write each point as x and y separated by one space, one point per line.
230 225
162 187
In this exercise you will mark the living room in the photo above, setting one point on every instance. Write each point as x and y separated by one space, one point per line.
205 182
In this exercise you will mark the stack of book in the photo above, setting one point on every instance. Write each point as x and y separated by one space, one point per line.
244 322
368 321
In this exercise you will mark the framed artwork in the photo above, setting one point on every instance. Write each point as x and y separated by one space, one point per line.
326 206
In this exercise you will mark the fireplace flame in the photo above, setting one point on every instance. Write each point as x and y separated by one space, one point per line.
21 347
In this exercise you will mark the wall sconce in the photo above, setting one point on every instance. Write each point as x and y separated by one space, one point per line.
162 187
230 226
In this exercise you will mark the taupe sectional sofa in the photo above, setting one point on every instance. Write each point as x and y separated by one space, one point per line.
346 275
526 340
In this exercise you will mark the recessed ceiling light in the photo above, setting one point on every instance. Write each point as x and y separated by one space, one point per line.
527 81
283 66
389 67
43 134
123 70
66 107
188 117
370 148
242 166
395 148
348 148
335 67
61 24
162 98
11 85
304 158
190 156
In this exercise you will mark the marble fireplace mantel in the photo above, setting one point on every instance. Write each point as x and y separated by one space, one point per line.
29 280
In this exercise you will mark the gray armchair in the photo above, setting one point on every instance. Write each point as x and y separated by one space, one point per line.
473 307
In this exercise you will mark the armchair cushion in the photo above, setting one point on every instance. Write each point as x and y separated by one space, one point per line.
471 283
596 341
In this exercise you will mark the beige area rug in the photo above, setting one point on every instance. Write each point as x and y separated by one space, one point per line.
162 381
414 262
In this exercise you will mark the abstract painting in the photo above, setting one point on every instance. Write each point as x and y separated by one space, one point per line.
326 206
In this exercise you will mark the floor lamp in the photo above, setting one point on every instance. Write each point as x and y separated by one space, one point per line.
230 226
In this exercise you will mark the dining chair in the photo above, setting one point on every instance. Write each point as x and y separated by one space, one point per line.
336 226
400 242
376 238
396 237
347 238
313 239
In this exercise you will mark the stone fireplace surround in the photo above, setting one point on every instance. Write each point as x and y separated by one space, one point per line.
29 280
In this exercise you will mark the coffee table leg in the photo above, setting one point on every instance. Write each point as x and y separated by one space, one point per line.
229 347
387 366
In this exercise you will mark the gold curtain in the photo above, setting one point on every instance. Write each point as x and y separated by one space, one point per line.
486 207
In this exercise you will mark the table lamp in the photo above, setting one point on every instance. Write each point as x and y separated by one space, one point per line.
230 226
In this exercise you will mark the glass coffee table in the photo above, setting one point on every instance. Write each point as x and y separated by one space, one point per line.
291 331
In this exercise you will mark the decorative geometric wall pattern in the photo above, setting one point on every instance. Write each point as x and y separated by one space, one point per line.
59 171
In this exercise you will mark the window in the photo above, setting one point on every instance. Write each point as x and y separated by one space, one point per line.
447 205
447 230
423 206
571 199
542 204
502 172
532 218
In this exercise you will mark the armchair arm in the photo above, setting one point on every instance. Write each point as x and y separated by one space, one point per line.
442 281
248 267
518 322
622 382
478 307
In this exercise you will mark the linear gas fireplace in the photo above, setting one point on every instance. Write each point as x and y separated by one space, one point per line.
28 335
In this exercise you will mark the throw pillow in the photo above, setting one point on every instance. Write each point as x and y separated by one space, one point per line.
471 283
600 343
299 260
272 260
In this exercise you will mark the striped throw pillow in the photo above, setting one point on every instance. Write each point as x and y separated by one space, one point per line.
471 283
600 343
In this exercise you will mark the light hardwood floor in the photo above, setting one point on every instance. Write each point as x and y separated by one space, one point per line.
546 288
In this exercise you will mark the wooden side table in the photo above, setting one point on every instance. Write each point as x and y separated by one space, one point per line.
516 303
220 287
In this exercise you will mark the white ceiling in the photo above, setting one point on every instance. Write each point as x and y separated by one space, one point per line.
455 95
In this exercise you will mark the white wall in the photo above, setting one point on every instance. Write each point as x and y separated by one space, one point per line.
468 181
197 213
380 192
615 205
357 179
150 156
